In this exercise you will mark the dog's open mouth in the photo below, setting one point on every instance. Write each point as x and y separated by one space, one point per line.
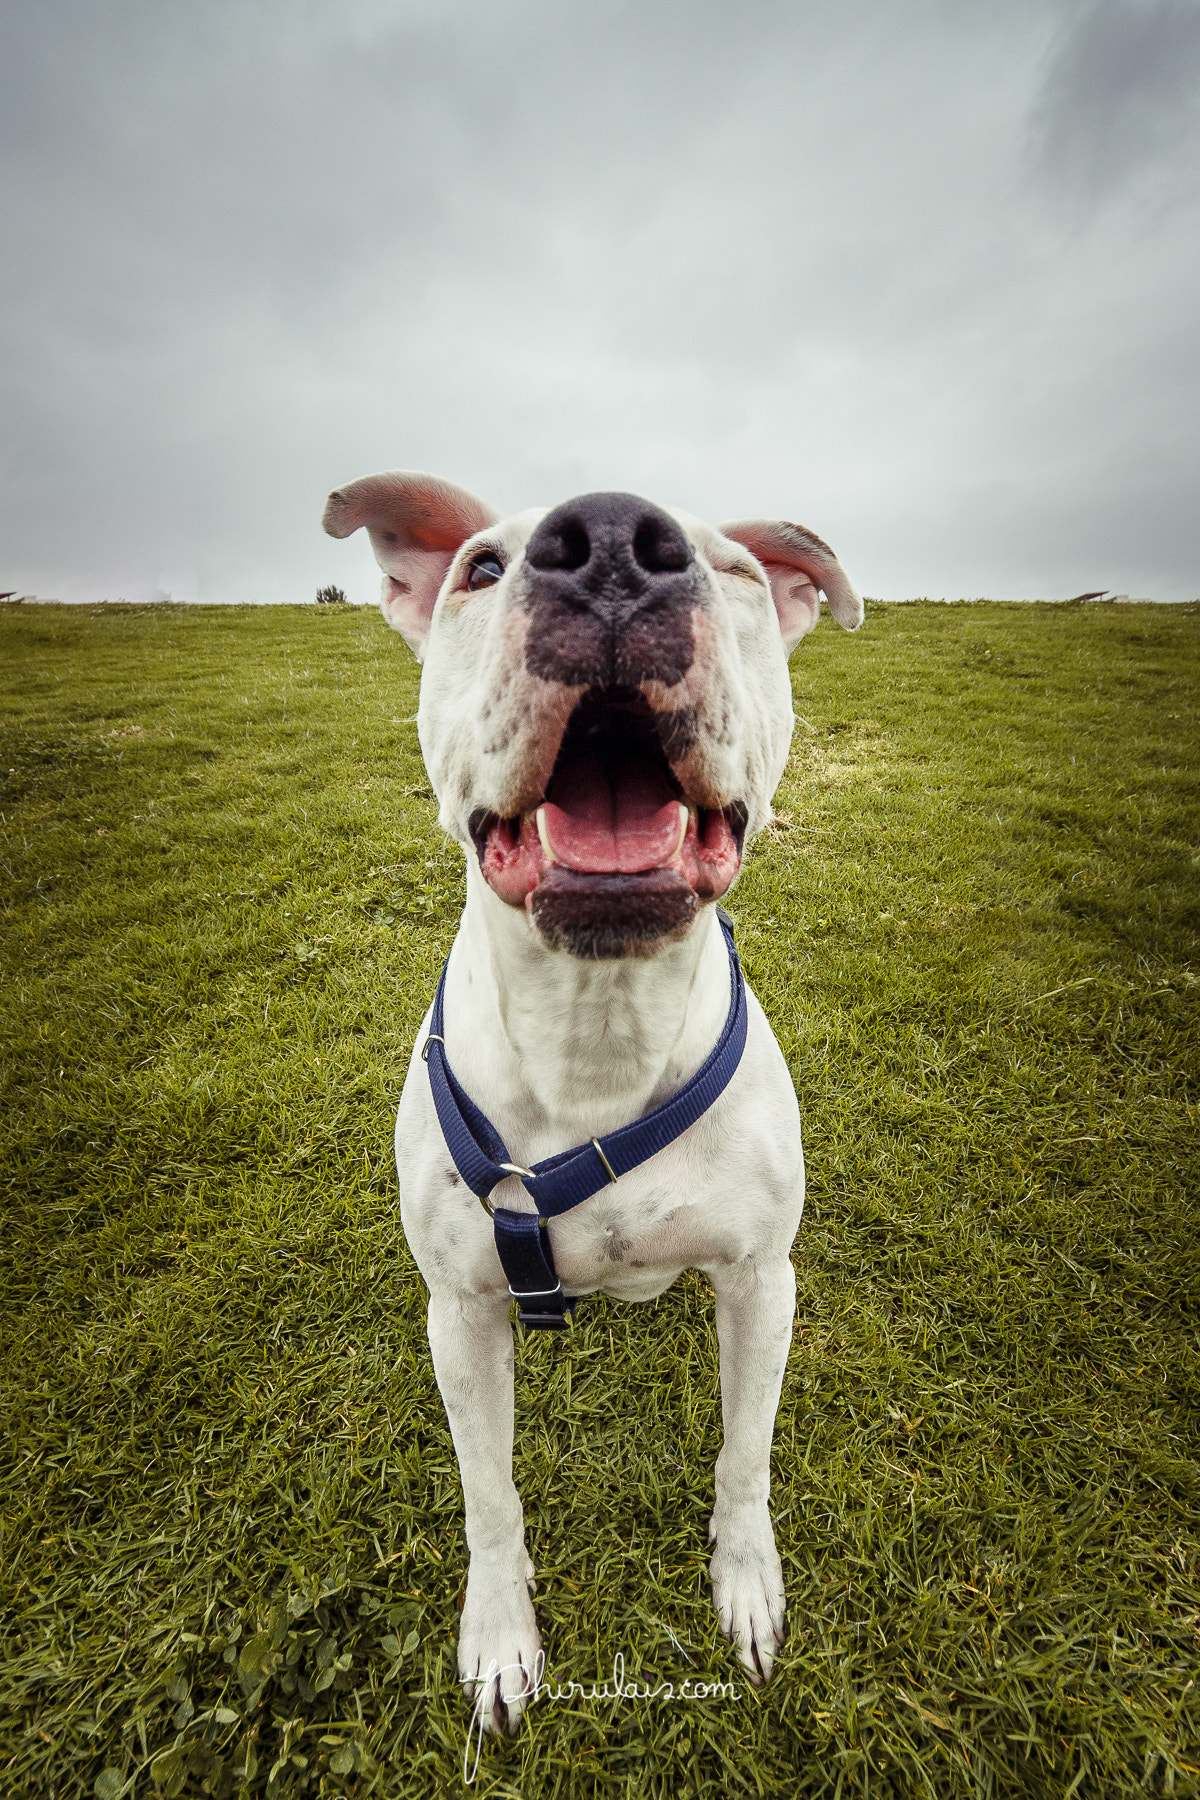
615 857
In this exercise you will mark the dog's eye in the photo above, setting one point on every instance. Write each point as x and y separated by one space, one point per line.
485 571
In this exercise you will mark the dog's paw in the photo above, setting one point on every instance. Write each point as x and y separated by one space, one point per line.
500 1656
748 1592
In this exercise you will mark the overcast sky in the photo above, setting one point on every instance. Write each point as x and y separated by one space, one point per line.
919 274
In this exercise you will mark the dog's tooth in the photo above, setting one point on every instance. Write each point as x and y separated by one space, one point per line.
543 833
685 814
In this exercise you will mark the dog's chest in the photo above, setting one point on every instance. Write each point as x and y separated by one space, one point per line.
709 1199
633 1241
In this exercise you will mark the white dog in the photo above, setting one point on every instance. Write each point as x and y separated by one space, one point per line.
605 712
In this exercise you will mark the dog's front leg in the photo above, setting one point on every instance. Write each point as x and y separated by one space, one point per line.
756 1304
499 1650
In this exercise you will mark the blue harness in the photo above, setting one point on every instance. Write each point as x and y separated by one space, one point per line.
563 1181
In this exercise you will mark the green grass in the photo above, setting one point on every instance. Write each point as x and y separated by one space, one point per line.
232 1537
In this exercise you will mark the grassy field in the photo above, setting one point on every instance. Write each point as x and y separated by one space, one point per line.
232 1543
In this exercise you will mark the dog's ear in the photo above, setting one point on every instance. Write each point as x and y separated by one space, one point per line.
416 523
797 563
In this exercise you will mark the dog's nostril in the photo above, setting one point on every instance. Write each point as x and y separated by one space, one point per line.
659 546
565 546
576 545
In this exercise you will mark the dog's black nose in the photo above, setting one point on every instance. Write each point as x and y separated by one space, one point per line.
611 590
635 539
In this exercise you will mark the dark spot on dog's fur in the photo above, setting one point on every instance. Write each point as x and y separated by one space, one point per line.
634 1264
452 1177
621 644
601 917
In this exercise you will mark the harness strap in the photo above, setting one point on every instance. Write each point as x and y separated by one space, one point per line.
523 1245
560 1182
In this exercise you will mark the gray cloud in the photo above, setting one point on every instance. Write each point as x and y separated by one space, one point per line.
785 258
1121 96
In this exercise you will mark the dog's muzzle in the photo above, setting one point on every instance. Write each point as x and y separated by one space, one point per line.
614 856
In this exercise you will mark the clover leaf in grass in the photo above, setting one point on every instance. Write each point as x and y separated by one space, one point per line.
165 1765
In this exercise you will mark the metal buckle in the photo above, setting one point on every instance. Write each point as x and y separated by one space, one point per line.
564 1321
516 1169
435 1037
534 1293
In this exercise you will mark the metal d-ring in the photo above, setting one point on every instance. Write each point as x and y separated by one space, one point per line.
599 1152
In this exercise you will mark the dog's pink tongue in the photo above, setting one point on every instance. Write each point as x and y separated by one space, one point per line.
598 826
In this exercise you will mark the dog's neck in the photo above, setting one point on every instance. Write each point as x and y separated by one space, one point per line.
561 1050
